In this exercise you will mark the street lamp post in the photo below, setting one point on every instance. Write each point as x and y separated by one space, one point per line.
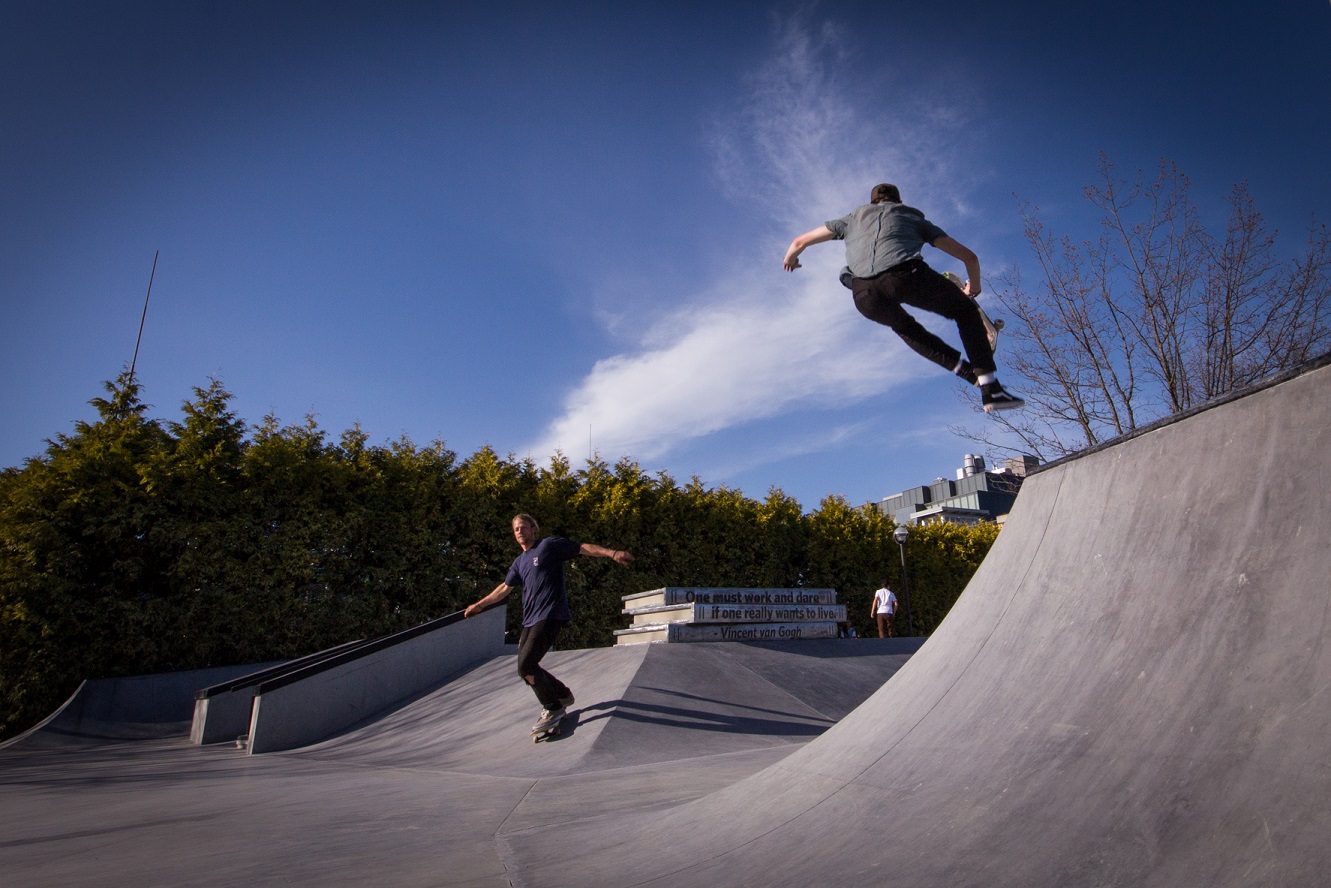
901 533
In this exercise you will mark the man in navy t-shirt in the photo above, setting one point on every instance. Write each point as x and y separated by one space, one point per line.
539 571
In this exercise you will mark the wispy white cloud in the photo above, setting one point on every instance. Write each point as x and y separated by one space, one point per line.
795 443
760 342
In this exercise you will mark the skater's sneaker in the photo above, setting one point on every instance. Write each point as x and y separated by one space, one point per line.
548 718
566 702
994 397
967 372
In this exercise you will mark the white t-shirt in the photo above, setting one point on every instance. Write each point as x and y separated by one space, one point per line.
884 602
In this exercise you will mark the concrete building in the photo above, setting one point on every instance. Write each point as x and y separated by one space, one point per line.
976 495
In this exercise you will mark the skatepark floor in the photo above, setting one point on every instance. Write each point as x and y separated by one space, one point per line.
425 794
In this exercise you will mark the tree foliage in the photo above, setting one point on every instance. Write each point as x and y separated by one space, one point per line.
1157 315
135 546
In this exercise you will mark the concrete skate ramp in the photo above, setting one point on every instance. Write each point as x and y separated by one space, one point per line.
1135 689
636 705
136 707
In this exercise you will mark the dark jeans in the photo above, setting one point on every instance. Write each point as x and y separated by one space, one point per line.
532 646
914 283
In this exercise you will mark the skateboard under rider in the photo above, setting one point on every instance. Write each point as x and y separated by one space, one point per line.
546 730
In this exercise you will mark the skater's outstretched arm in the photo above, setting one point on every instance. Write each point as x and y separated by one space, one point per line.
619 556
819 235
499 594
965 256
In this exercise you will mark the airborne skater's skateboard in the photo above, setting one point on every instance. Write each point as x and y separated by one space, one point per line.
991 328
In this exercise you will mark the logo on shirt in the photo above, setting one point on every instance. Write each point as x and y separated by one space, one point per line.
535 562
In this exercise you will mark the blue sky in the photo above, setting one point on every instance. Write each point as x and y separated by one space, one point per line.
541 226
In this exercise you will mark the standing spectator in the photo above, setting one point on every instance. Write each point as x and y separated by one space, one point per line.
884 610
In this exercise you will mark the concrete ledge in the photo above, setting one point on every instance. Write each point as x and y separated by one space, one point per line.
222 712
221 718
305 708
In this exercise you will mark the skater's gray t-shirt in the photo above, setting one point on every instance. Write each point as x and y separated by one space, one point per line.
879 236
540 573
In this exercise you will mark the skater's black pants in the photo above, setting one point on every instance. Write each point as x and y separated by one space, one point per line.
914 283
532 645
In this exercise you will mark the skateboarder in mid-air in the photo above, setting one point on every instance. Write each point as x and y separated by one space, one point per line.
539 570
885 270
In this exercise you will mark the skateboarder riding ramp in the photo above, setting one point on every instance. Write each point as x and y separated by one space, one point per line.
1135 689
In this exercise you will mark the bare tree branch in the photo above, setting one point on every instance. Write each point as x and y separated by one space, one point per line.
1153 317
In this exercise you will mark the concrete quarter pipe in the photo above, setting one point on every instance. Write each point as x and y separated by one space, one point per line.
1135 689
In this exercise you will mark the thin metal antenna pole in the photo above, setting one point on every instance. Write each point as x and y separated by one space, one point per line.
152 275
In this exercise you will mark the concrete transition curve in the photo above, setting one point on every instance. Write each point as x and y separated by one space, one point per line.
1135 689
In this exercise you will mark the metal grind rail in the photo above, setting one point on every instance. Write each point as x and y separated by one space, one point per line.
310 701
309 698
271 680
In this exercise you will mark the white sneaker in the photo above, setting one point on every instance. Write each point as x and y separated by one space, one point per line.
548 718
